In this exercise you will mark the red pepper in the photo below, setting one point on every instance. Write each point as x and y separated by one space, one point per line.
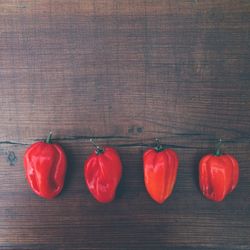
218 175
102 172
45 167
160 171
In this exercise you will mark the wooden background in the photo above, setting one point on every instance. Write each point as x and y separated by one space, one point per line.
124 72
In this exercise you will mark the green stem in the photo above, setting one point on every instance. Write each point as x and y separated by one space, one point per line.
49 138
158 147
98 150
218 148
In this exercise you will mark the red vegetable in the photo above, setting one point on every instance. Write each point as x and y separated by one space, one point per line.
160 171
45 167
102 172
218 175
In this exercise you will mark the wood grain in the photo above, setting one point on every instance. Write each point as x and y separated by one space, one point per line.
124 72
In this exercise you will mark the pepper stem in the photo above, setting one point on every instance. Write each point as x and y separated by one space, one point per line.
49 138
158 147
218 148
98 150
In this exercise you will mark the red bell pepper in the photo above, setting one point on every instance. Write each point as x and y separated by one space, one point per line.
160 171
102 172
45 168
218 175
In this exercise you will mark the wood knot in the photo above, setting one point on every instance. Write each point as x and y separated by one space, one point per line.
11 158
135 130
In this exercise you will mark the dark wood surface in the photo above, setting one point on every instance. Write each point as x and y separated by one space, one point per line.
124 72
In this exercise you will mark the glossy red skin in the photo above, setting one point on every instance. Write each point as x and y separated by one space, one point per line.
218 176
45 167
102 174
160 171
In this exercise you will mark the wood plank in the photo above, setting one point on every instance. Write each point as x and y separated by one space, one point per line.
124 72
